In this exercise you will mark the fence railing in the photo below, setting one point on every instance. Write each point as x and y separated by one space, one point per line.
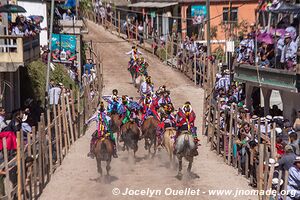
252 159
42 151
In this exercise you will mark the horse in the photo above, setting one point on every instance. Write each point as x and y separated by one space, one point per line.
185 147
149 133
168 143
133 73
130 135
103 152
115 125
139 80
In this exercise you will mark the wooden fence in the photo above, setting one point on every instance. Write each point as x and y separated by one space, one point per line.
250 159
42 151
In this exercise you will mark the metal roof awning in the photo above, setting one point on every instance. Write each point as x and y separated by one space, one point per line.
152 4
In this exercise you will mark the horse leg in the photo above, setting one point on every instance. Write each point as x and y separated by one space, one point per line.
179 175
155 147
108 167
99 168
190 165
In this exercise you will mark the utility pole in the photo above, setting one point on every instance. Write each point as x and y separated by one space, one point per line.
49 47
208 28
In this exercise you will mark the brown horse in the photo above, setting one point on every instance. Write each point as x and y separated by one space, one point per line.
168 143
149 129
130 135
116 122
103 152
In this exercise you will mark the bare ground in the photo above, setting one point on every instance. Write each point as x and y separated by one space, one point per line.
77 178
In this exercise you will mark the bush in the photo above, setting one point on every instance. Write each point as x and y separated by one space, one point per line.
36 76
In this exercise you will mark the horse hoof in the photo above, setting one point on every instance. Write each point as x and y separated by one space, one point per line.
193 175
179 176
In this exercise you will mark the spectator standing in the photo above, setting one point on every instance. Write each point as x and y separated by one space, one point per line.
288 158
141 33
54 94
293 187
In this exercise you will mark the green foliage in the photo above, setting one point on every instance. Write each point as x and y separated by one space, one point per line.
219 53
36 76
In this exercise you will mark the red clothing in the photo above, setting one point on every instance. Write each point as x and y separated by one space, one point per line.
11 140
280 149
183 118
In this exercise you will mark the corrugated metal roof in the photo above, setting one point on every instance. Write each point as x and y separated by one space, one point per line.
152 4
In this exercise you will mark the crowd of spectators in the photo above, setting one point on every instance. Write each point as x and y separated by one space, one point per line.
276 47
230 96
25 26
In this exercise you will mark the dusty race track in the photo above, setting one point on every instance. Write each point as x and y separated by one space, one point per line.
77 178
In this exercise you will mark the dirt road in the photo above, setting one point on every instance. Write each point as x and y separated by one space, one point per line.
77 177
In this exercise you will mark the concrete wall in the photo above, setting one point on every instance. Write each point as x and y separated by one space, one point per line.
37 8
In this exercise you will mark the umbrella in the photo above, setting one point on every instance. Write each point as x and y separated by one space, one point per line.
265 37
11 8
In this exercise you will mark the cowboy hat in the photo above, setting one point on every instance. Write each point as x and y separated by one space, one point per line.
297 160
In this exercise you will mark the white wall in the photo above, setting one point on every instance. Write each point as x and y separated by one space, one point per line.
37 8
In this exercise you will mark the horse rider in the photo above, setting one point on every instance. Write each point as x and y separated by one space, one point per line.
103 130
146 88
149 108
163 96
185 121
167 121
124 110
134 54
113 102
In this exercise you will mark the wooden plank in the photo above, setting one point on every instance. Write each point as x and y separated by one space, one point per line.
119 23
61 133
23 166
235 158
49 133
55 121
6 180
269 184
273 142
247 165
65 125
230 135
260 174
218 127
70 119
266 169
34 162
213 130
29 171
278 185
286 176
19 194
73 114
40 159
45 155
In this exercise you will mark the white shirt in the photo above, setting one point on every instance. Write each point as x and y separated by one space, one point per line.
54 94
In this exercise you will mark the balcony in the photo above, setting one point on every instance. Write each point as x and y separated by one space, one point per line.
16 51
268 77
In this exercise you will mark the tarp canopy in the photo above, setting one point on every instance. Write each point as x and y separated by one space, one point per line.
287 9
152 4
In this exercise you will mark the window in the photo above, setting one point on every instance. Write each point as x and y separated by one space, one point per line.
233 14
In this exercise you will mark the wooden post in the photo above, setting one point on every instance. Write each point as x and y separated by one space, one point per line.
34 162
260 177
286 176
70 119
45 154
119 23
278 185
230 135
127 28
23 165
235 154
49 142
213 129
61 131
218 127
55 121
65 125
195 68
6 180
273 142
29 143
74 116
40 173
136 31
19 166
